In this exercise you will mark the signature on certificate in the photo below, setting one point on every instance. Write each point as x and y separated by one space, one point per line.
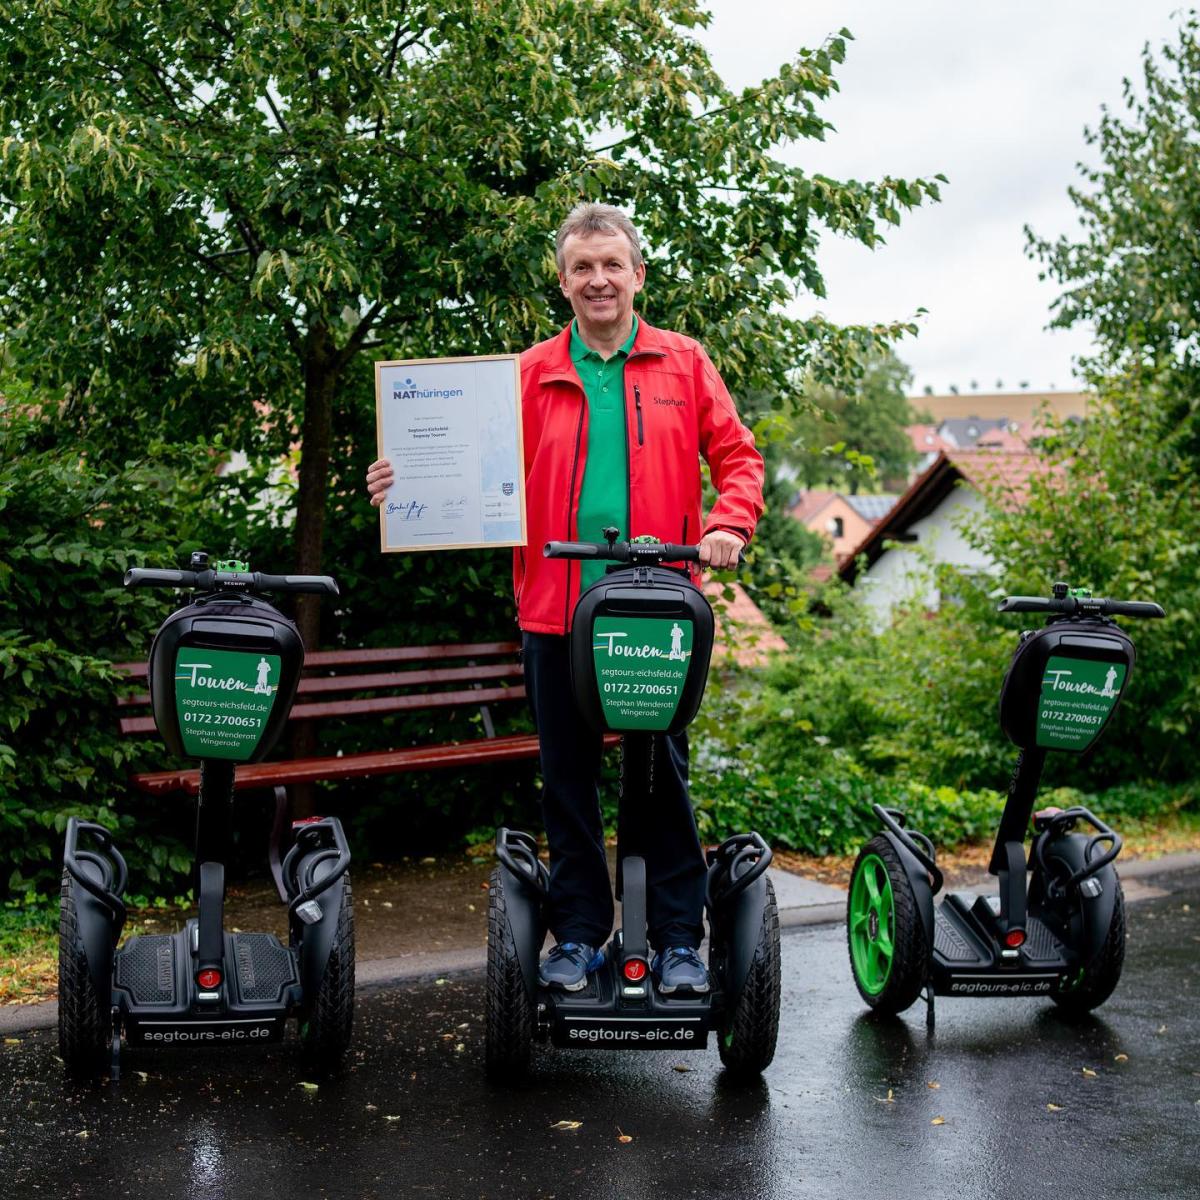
407 510
454 507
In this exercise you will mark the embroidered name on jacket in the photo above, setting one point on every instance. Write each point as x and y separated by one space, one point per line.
670 401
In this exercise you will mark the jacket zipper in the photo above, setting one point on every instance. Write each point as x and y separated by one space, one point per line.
637 404
570 502
683 539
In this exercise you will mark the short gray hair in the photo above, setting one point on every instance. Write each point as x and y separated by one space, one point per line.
588 218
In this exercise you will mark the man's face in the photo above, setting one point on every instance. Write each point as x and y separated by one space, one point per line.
599 279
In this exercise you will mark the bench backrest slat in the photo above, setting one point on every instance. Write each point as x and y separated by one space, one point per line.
323 684
382 704
378 657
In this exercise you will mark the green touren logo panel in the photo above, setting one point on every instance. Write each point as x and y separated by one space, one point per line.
223 698
1077 696
641 666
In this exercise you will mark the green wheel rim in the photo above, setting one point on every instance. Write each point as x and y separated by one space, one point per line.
872 925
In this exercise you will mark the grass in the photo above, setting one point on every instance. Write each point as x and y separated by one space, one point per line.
29 945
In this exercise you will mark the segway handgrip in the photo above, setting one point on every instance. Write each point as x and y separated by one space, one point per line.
149 577
321 585
1133 608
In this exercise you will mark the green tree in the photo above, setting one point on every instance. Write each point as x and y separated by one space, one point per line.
845 437
1119 507
212 215
1130 274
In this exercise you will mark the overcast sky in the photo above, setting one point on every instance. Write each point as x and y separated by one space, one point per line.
996 98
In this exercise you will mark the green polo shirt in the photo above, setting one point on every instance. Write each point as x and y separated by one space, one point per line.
604 495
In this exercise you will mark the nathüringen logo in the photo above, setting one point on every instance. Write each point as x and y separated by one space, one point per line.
408 390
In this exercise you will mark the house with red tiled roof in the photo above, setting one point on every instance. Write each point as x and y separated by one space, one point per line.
841 519
933 514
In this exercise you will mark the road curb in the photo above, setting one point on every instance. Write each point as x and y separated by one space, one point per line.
388 972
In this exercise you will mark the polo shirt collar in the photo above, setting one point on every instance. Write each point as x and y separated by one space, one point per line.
580 349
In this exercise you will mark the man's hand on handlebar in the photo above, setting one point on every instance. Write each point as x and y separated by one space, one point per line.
719 549
379 480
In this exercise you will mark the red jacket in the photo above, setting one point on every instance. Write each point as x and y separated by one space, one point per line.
676 409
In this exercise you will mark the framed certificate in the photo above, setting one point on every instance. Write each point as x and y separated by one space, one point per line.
451 428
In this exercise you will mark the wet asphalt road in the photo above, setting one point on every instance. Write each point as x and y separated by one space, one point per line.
847 1109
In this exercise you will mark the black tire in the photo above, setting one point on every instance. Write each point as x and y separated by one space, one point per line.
893 989
1101 975
84 1018
508 1027
747 1036
326 1027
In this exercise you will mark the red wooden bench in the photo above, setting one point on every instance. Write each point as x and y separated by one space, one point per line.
348 683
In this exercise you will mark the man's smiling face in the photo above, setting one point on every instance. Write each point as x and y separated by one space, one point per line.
600 281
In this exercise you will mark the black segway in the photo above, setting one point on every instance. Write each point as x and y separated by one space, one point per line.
640 646
1057 926
223 673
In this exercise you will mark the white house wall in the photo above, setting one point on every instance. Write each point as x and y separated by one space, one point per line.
900 575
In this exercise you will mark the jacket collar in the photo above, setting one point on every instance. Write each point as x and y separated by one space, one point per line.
560 369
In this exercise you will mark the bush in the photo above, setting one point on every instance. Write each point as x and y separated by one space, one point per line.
68 531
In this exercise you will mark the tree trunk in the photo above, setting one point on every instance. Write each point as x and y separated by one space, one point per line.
316 446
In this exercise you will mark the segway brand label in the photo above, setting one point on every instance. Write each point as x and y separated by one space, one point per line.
1077 696
647 1033
223 699
203 1033
1022 985
641 667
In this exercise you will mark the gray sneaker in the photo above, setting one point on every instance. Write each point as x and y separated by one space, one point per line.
568 965
680 969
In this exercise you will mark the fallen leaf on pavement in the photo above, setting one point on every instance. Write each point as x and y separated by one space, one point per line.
681 1068
622 1136
933 1085
310 1087
1089 1072
1055 1107
938 1121
566 1125
888 1099
1120 1058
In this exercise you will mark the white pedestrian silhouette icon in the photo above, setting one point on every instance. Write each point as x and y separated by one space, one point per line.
676 643
1110 679
262 687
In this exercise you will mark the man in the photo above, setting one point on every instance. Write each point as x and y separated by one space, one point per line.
616 415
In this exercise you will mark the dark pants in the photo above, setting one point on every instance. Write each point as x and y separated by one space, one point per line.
656 820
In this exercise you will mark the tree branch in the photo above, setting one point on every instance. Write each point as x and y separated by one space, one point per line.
278 116
357 340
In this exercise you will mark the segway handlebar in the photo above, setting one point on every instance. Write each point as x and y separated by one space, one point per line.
638 554
1083 606
210 580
